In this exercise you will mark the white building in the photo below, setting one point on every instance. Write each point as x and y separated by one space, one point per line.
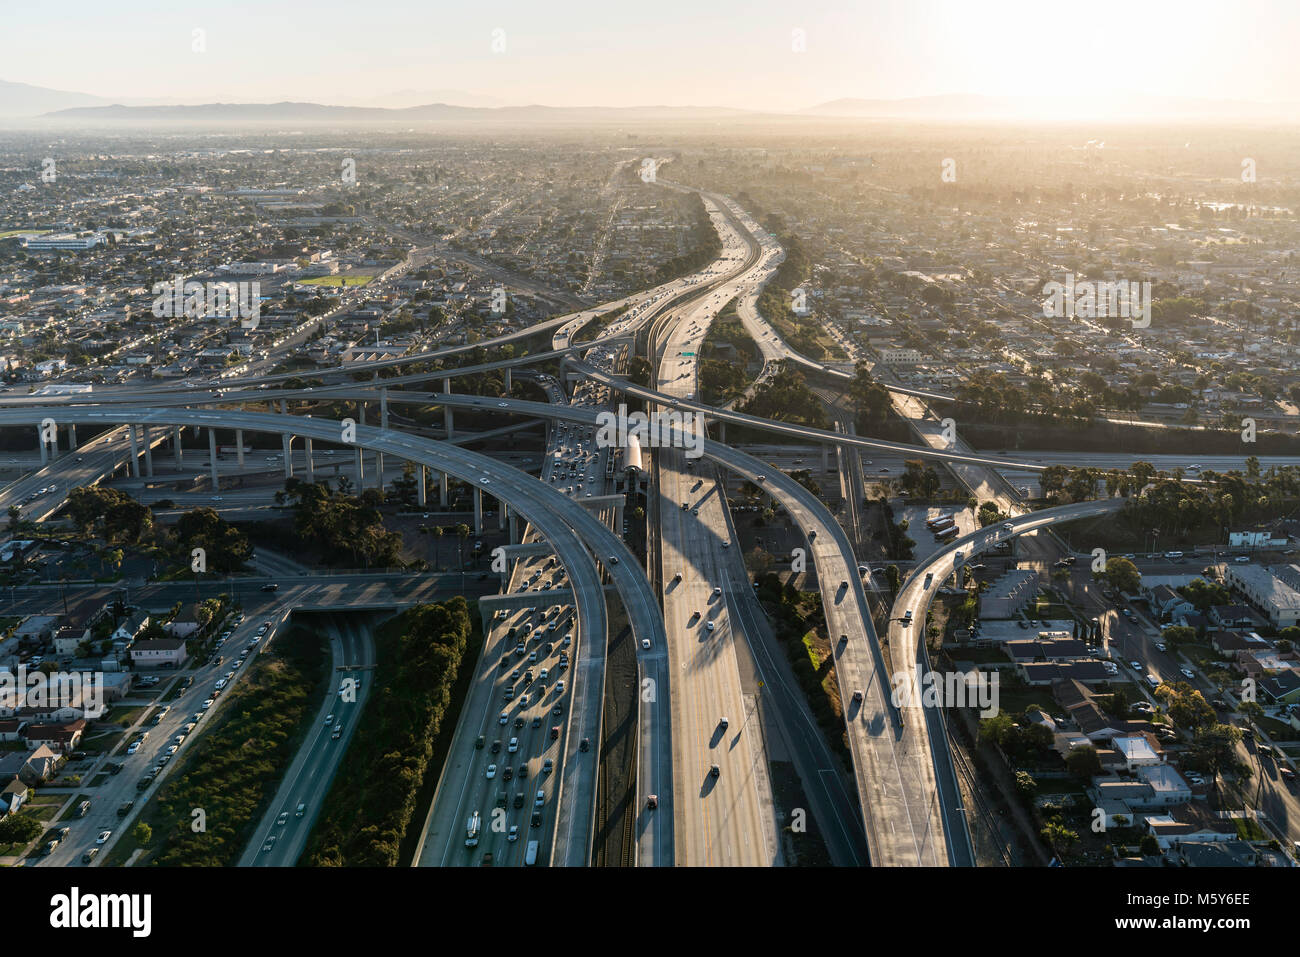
1274 591
63 241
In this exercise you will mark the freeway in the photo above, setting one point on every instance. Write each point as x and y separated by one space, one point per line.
565 523
288 820
110 809
806 510
906 639
40 493
722 794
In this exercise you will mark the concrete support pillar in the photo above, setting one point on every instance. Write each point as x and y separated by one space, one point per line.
509 380
135 452
422 485
442 491
311 466
826 458
45 450
286 442
239 447
148 451
72 437
478 510
212 457
383 424
501 514
176 447
361 455
284 407
446 410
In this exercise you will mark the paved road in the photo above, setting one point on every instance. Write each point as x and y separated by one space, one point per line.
182 710
307 782
906 641
722 818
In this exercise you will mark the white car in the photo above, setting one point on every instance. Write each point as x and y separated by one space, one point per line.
503 718
645 643
709 626
103 837
1188 673
491 771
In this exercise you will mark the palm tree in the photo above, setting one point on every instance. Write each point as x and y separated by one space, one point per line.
438 533
462 533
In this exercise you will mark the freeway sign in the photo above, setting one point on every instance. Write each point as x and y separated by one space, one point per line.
688 353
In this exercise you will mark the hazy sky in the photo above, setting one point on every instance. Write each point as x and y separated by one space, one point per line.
677 52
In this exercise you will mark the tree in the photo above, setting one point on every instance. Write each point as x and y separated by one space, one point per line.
893 578
1026 786
225 547
20 829
15 515
997 729
1185 704
142 833
462 535
1083 762
1122 575
1204 595
1214 750
438 534
1058 836
1149 846
405 486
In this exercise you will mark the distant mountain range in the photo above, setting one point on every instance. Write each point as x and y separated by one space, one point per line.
316 114
21 101
968 106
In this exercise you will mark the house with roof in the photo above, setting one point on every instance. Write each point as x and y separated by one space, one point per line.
129 627
1232 616
1138 750
1187 825
1282 688
13 797
68 639
62 737
1166 603
1233 644
1042 673
1230 853
159 653
1168 787
40 765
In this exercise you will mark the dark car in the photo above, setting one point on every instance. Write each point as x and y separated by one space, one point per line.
537 819
519 799
585 745
270 586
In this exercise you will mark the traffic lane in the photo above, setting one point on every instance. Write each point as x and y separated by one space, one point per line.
121 787
319 756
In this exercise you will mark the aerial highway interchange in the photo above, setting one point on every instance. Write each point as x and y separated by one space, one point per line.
524 763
